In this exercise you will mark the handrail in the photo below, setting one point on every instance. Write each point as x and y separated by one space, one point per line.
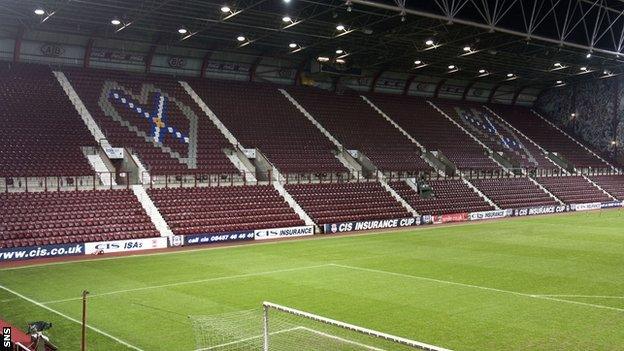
62 182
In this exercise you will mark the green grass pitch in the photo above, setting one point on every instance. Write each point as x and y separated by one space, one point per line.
536 283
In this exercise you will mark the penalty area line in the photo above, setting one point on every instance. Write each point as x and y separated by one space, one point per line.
189 282
585 296
448 282
97 330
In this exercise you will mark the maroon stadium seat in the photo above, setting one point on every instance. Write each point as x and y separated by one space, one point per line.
71 216
344 202
205 210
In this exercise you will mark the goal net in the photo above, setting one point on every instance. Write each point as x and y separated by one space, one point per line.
277 328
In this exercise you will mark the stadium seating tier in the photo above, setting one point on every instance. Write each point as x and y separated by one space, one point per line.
345 202
573 190
41 134
261 117
134 131
44 218
513 192
359 127
207 210
449 196
434 131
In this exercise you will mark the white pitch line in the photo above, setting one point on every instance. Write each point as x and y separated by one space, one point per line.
97 330
150 287
252 244
249 338
448 282
373 348
585 296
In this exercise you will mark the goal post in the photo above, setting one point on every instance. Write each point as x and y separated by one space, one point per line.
357 333
276 328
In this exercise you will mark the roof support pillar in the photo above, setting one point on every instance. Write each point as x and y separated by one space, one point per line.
204 66
299 71
86 61
254 67
492 92
408 84
517 93
375 79
438 87
149 58
467 89
17 48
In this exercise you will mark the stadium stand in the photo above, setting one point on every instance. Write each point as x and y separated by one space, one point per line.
205 210
595 105
343 202
547 137
434 131
513 192
613 184
38 146
573 189
449 196
41 134
496 134
268 121
359 127
64 217
134 131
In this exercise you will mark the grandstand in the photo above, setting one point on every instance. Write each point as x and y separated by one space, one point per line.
134 127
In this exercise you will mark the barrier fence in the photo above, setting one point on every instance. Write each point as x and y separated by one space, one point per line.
98 180
110 180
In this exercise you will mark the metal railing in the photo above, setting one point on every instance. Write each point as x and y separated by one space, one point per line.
104 180
65 183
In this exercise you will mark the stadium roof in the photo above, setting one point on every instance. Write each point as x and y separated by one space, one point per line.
535 43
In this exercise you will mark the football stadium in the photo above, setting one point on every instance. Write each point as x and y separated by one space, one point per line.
314 175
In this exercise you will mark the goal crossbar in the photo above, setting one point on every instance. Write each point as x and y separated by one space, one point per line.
377 334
